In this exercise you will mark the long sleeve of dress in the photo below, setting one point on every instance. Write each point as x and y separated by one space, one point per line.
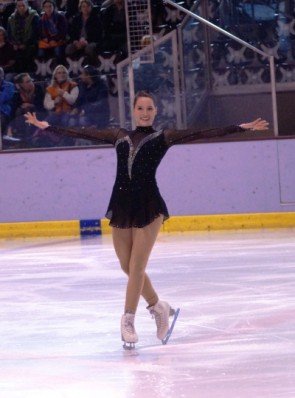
173 137
109 136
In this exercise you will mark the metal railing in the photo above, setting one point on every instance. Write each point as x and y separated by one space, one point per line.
256 50
181 92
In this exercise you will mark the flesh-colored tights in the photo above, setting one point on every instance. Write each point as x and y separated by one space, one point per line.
133 247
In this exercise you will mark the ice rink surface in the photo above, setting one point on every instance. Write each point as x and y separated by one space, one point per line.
61 302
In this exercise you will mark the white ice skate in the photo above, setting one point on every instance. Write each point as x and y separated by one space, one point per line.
161 311
128 333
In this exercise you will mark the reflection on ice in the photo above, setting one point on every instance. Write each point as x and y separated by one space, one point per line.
62 299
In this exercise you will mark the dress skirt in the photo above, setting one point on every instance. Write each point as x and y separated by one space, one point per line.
135 206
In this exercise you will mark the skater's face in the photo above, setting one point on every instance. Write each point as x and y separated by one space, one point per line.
144 112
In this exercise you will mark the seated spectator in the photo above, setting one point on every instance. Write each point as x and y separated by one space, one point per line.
7 90
52 31
7 55
23 34
27 98
59 100
85 33
92 104
114 27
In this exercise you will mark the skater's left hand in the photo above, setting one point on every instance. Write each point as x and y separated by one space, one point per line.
257 125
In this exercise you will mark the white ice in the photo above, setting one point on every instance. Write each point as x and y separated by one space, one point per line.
61 302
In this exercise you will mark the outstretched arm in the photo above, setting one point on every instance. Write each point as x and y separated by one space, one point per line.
257 125
183 136
31 118
90 133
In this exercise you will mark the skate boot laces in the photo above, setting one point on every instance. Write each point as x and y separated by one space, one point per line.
161 312
129 326
128 332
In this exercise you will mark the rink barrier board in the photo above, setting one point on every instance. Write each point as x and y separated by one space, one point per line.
174 224
39 229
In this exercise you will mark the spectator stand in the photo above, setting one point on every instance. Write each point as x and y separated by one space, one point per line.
107 58
268 25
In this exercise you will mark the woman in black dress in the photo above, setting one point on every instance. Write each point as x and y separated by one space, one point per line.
136 209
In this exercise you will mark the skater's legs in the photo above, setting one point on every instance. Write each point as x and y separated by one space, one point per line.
123 242
142 244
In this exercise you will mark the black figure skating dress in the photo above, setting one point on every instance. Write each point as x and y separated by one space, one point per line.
136 200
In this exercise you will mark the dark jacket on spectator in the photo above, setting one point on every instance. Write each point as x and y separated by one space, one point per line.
23 29
93 100
6 10
114 27
7 54
36 100
93 28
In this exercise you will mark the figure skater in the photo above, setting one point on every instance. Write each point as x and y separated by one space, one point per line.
136 209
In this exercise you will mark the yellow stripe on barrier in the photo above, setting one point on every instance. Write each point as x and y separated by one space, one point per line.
105 228
174 224
39 229
229 221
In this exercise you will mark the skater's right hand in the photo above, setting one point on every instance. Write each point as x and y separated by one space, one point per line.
32 119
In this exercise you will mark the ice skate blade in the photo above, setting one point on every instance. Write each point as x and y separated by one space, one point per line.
129 346
175 314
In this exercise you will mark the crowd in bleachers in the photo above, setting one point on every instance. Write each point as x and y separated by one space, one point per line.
38 30
63 102
83 40
54 56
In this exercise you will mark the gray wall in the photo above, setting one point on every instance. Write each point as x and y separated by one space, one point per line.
215 178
